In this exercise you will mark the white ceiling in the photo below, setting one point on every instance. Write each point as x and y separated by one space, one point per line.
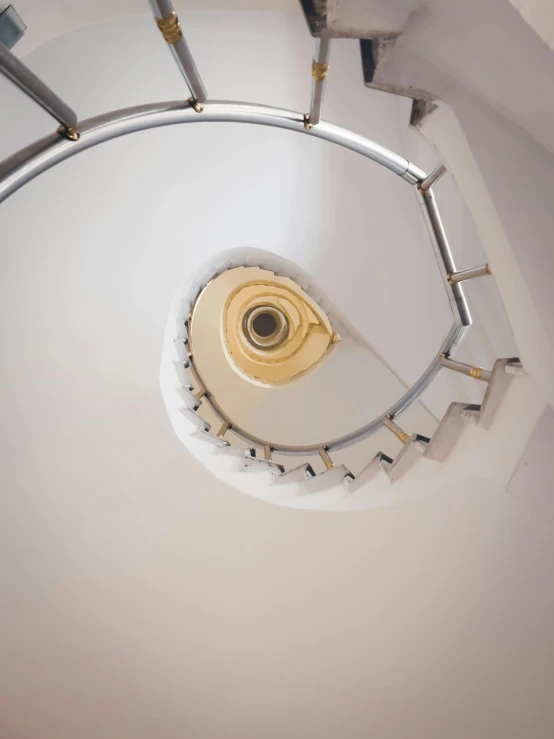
142 597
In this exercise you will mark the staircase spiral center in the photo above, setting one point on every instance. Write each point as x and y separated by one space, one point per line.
266 327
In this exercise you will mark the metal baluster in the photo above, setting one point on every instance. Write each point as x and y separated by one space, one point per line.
466 369
468 274
168 23
320 67
327 461
223 430
396 430
31 85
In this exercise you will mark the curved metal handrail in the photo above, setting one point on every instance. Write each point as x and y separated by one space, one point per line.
28 163
455 335
40 156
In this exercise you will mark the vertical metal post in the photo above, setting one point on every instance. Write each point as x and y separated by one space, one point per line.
20 75
223 430
168 23
396 430
327 461
320 67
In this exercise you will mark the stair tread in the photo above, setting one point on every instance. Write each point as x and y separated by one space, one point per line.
188 397
196 420
182 317
449 430
373 468
240 452
413 449
496 389
182 375
181 347
302 472
211 439
252 464
327 479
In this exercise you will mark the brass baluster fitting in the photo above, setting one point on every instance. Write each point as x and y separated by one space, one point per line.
319 70
68 132
170 28
198 107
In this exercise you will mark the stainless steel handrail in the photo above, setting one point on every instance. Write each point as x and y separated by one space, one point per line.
445 260
40 156
36 158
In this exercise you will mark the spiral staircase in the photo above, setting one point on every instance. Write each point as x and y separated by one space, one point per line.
227 448
148 587
231 452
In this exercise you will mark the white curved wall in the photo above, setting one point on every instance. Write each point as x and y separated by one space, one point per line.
142 596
